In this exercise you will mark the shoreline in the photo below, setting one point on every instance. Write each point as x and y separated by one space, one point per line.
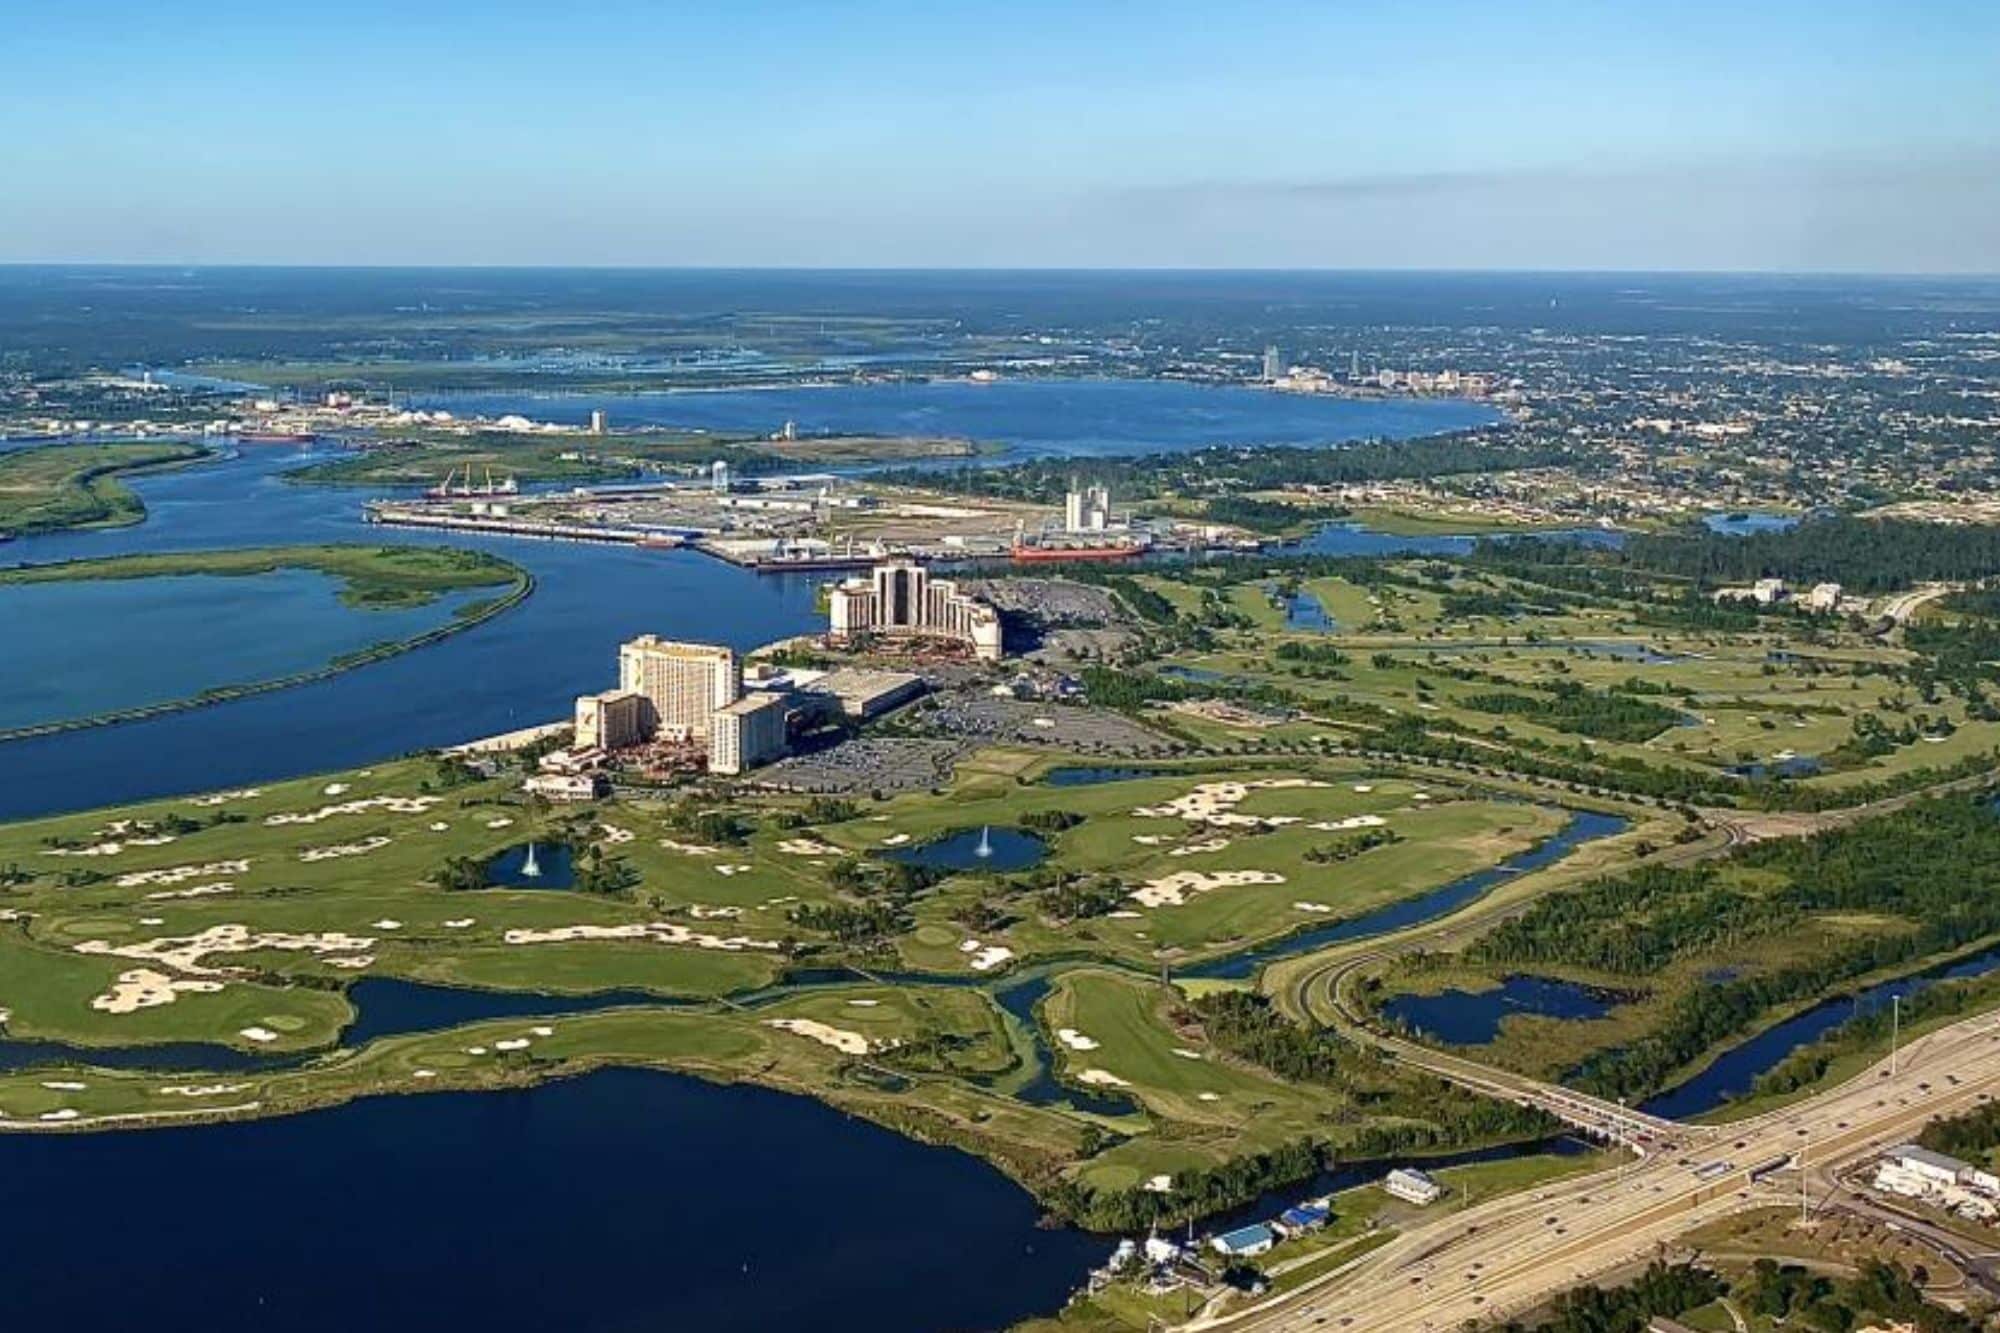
522 586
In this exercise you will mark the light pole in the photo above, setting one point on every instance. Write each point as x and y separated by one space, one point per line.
1895 1029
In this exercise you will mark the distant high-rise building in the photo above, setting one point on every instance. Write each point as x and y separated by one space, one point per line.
718 476
1274 364
598 421
1354 364
684 682
900 598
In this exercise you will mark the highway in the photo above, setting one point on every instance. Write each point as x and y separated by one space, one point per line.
1504 1257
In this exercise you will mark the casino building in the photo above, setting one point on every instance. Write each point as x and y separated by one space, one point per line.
900 599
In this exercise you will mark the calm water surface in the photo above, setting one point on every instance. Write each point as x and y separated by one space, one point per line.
623 1200
72 647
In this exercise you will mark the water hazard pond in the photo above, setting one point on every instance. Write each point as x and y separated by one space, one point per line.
623 1200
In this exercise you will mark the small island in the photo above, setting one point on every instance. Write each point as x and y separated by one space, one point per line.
369 579
57 487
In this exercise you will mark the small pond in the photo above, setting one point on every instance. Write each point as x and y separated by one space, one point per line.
988 847
1473 1018
1084 776
533 865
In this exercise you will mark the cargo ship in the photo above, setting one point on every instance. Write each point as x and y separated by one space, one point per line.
276 436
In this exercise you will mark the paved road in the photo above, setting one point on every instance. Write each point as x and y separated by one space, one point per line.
1508 1255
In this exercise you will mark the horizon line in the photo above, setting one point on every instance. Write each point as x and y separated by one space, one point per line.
333 266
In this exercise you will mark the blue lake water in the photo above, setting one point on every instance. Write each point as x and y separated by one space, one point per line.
537 865
1350 538
1583 826
72 648
622 1200
1737 1069
1303 611
1090 776
997 848
1031 417
521 668
1473 1018
1743 524
724 1195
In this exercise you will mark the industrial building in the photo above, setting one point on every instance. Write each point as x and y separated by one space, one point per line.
901 599
1087 509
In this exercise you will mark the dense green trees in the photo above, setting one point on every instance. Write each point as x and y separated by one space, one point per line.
1930 872
1569 706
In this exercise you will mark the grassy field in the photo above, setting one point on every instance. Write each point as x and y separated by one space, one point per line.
370 576
57 486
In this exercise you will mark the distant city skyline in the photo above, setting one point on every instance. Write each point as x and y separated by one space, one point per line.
1550 135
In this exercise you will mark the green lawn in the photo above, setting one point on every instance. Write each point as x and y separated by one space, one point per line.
57 486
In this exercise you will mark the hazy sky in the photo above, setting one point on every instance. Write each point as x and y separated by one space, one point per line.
1532 133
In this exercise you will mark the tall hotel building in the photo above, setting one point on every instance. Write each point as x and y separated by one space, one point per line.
901 598
685 682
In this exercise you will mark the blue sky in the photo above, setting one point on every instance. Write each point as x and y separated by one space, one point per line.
1536 133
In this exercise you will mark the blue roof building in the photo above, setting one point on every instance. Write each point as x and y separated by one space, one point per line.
1297 1221
1245 1241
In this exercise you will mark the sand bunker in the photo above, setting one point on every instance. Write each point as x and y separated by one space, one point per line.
1173 890
614 835
656 932
690 848
1351 822
402 805
459 923
985 957
1311 907
499 821
180 874
184 953
354 963
143 988
1075 1040
1199 848
197 891
1216 802
335 788
257 1034
1102 1078
807 847
512 1044
200 1089
702 913
847 1043
1159 1184
362 848
1186 1054
217 798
